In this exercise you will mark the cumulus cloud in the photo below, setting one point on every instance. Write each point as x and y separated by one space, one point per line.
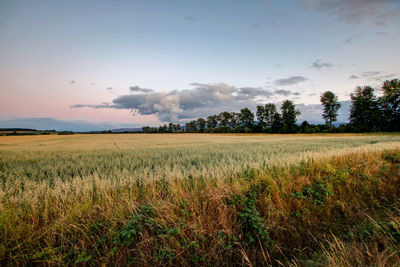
254 92
353 77
109 88
318 64
379 12
139 89
290 80
202 100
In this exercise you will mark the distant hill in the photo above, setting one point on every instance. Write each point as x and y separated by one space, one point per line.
129 130
17 129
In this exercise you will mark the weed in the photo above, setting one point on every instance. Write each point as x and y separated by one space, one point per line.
83 258
165 255
199 259
227 240
318 192
142 220
251 223
392 156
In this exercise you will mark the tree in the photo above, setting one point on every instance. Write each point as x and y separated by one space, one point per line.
260 113
246 117
163 129
177 127
201 124
305 127
390 103
224 118
276 123
365 115
187 127
269 113
331 106
212 121
170 127
146 129
289 114
234 120
191 126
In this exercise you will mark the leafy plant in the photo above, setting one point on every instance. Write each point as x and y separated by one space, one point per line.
142 220
318 192
227 240
165 254
251 223
199 258
83 258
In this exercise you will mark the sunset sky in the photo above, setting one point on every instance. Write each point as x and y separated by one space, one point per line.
94 65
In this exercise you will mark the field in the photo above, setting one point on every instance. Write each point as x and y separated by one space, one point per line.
200 199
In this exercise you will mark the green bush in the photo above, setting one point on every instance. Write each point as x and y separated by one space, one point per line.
251 223
318 192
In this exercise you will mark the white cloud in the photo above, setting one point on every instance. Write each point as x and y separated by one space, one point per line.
201 101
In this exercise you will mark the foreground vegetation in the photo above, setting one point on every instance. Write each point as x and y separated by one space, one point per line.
200 200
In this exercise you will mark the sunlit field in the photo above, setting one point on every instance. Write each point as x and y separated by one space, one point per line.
199 199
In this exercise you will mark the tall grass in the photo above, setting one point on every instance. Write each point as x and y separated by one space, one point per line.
289 200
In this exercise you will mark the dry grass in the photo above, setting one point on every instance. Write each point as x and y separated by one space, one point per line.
66 199
148 141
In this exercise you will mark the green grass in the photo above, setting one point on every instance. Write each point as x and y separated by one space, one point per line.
220 199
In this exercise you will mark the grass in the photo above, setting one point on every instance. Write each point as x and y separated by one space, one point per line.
199 199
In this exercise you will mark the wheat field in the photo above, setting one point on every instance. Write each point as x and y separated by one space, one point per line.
56 189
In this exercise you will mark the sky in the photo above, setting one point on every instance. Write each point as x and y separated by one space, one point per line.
96 65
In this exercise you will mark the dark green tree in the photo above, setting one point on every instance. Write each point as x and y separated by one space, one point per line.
191 126
170 127
224 118
269 114
201 124
187 127
305 127
289 114
331 106
163 129
365 115
246 117
260 113
177 127
146 129
234 120
212 121
276 123
390 102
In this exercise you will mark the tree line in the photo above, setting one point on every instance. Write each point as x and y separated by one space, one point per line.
368 113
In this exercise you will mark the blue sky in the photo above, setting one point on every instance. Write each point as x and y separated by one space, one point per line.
75 61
